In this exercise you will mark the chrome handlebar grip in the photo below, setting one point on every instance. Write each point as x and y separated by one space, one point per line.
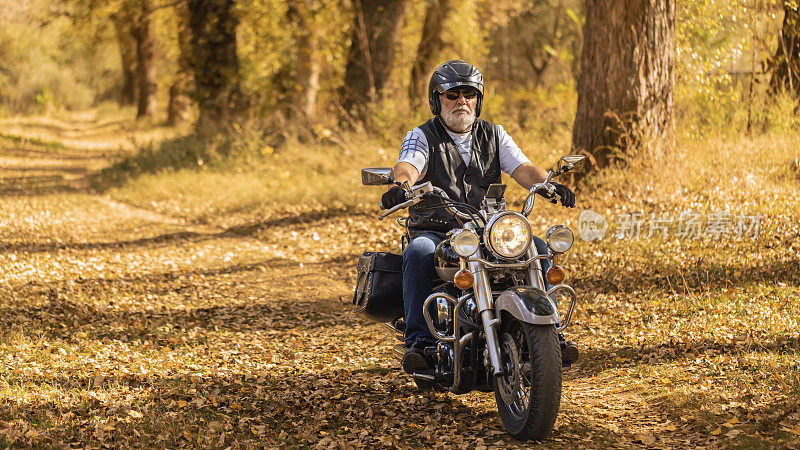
528 206
535 189
541 188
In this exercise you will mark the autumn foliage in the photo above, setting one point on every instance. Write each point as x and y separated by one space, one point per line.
164 288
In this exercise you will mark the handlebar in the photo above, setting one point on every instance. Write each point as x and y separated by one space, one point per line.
546 189
415 194
422 190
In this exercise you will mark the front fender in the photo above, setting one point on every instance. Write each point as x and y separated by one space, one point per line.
528 304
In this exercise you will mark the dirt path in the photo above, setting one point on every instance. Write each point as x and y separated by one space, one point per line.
122 326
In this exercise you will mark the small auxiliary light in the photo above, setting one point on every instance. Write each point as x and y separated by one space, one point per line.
464 279
555 275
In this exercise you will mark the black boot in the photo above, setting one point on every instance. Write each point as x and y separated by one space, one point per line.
569 351
415 358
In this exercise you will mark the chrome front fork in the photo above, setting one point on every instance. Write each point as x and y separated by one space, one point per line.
535 271
483 298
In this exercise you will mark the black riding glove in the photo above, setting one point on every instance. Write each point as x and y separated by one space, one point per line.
393 197
567 196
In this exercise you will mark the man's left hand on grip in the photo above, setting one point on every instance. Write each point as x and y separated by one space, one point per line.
393 197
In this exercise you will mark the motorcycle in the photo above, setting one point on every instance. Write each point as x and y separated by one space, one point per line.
497 326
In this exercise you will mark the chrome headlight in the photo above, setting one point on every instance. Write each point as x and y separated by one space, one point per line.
464 242
559 238
508 234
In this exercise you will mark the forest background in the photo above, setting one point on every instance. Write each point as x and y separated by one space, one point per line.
295 69
182 209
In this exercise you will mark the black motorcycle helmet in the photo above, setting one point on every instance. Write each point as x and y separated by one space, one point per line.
450 75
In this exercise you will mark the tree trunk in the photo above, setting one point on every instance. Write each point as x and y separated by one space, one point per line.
376 30
429 48
785 63
145 60
627 79
307 60
127 53
214 61
179 108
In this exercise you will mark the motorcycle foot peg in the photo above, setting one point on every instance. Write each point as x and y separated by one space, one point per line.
424 376
569 353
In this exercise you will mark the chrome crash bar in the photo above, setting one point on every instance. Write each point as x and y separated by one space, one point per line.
459 341
563 288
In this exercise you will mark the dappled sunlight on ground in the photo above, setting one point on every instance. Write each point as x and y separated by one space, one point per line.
125 321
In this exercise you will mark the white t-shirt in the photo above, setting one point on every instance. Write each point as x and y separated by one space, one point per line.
415 150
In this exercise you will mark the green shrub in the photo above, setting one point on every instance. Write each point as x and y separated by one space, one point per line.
49 67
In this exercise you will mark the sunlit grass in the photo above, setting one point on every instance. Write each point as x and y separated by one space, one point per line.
99 130
295 178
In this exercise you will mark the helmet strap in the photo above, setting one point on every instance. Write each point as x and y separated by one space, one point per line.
436 104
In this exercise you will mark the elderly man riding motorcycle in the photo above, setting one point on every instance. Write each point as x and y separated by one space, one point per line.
461 154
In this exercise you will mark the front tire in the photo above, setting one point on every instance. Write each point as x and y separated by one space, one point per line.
528 394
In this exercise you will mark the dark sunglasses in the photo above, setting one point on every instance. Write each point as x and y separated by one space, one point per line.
468 94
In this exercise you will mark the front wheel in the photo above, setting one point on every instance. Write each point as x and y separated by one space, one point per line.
528 393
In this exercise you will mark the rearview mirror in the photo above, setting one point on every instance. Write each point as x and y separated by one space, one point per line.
572 164
377 176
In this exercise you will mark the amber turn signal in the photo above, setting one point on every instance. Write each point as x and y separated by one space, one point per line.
464 279
555 275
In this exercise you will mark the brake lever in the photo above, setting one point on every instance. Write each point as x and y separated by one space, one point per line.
400 206
552 195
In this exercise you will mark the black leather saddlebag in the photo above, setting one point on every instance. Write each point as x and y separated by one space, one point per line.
379 287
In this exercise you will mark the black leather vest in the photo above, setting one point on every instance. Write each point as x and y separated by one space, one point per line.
447 170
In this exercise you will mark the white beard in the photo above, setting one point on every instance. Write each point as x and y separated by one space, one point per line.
458 121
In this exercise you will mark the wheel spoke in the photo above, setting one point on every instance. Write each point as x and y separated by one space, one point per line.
525 369
522 401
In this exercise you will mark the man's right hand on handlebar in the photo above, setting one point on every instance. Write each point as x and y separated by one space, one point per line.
566 195
556 192
393 197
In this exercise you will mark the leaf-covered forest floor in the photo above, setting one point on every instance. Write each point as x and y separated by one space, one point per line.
129 321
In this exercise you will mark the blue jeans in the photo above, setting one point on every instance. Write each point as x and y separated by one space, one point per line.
418 274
